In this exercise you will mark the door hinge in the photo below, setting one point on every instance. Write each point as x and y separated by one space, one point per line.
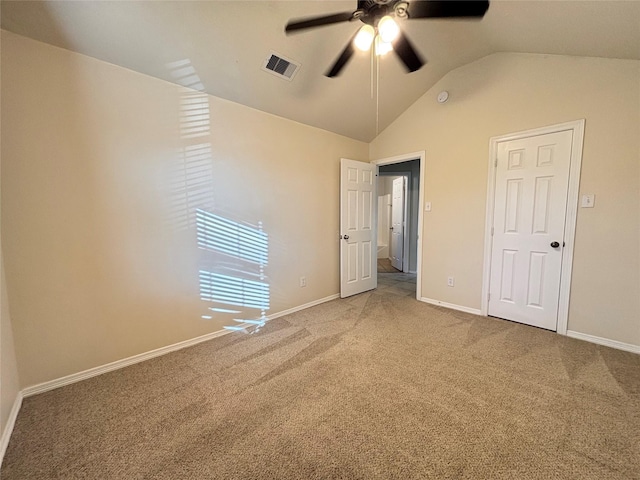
492 231
495 163
488 297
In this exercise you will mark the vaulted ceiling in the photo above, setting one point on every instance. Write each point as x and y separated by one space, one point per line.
222 45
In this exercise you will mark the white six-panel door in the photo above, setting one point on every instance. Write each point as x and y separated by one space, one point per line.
530 204
397 223
358 243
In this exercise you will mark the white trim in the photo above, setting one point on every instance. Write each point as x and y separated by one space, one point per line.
125 362
8 428
421 155
570 224
627 347
577 127
452 306
118 364
407 181
303 307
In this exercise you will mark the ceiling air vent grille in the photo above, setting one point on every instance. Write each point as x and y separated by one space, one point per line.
280 66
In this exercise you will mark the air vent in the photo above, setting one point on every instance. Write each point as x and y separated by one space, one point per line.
280 66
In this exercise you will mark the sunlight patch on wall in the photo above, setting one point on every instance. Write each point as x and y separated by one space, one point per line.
234 254
190 184
238 277
190 176
215 287
194 114
218 233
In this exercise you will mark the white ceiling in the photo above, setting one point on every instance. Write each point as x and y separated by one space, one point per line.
227 42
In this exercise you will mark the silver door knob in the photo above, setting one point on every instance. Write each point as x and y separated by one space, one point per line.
555 244
346 237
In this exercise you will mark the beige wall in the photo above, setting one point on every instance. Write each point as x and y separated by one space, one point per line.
9 381
506 93
99 190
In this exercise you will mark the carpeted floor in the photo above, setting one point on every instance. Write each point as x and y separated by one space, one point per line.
377 386
384 266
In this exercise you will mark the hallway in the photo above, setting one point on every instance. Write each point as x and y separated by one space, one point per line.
391 280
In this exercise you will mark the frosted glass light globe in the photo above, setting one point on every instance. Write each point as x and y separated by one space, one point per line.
382 48
388 29
364 38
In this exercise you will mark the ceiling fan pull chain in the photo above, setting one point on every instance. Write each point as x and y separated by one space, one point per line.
372 60
377 95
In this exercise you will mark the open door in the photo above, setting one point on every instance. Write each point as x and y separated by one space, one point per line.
397 223
358 237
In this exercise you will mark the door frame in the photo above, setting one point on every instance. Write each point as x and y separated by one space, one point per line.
577 127
421 155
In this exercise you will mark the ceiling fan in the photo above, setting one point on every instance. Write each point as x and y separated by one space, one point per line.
381 30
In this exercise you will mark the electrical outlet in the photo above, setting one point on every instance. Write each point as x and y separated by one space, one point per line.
303 281
450 281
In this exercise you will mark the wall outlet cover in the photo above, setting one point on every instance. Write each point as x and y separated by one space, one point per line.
588 200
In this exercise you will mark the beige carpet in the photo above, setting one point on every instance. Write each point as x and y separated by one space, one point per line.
384 266
378 386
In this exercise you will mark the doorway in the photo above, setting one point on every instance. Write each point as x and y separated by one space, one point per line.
393 222
399 256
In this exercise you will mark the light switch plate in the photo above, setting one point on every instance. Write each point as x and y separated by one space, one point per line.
588 200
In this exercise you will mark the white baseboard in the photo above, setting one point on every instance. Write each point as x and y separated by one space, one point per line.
475 311
627 347
302 307
8 428
118 364
125 362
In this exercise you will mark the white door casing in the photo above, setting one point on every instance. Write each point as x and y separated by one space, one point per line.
358 242
421 156
397 223
532 202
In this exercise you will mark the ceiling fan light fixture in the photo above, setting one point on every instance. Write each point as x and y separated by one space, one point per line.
401 9
364 38
388 29
382 47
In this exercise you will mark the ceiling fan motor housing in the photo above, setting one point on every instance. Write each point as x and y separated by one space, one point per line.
371 11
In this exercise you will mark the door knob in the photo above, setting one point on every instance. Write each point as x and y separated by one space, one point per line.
555 244
346 237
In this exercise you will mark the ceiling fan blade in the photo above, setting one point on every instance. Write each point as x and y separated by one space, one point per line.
318 21
342 60
447 8
409 56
